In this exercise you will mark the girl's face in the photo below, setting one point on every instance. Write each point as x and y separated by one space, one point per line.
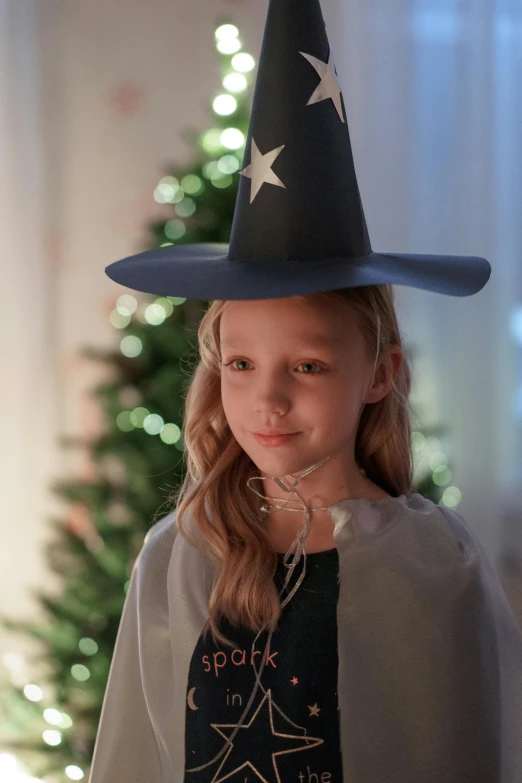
301 369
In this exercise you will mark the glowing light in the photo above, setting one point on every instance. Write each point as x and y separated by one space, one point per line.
126 304
451 497
33 692
131 346
168 191
123 421
73 772
437 459
228 164
210 168
224 104
186 208
177 300
442 476
243 62
155 314
88 646
175 229
57 718
173 181
228 45
80 672
516 324
139 415
232 138
211 141
226 31
170 434
235 82
118 320
52 737
166 304
164 193
66 721
192 184
12 771
221 181
153 424
52 716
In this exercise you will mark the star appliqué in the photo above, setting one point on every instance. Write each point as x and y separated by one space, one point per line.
259 170
329 86
274 743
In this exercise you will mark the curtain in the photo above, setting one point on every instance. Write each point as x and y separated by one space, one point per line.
432 89
27 388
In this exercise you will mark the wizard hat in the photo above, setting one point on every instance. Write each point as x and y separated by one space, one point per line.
299 224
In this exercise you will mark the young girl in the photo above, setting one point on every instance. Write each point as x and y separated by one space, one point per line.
301 615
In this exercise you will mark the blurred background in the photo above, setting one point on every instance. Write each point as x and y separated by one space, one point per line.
122 127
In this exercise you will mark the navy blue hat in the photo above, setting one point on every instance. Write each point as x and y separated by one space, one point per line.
299 224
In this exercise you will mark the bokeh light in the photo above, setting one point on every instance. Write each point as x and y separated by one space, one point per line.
226 31
192 184
131 346
224 104
170 434
228 45
243 62
175 229
235 82
212 141
186 208
228 164
232 138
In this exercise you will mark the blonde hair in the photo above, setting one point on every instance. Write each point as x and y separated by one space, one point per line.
227 513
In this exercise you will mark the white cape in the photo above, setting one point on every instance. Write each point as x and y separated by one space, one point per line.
430 653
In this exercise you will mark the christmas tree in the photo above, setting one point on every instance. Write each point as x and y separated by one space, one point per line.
50 719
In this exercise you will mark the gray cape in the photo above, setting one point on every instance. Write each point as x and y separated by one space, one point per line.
430 653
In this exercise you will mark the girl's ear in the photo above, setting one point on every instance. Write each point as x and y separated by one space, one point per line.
386 373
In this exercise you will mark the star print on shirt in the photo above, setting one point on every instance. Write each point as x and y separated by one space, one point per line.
260 169
329 86
276 743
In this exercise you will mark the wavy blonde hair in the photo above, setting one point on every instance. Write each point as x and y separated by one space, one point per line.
226 513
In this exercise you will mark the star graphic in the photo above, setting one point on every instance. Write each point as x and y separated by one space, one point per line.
261 724
329 86
314 710
260 169
294 680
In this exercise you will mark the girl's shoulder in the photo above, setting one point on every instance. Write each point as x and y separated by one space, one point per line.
158 542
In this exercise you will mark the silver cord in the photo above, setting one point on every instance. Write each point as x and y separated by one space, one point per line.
299 544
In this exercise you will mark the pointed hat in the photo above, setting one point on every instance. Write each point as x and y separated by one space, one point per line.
299 224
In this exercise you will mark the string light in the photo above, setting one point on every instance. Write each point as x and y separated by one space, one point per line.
232 138
235 82
228 46
224 104
226 31
243 62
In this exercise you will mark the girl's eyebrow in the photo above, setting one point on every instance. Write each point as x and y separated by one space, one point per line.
315 339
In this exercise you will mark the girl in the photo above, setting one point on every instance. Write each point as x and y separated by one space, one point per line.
301 615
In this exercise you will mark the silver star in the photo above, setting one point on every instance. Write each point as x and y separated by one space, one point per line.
260 169
329 86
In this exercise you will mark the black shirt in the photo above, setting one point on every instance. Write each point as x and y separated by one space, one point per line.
299 677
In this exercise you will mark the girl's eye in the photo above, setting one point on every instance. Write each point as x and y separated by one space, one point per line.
303 364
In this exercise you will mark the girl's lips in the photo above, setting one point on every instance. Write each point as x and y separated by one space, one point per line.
274 440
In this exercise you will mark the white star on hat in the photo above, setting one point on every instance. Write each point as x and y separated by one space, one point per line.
260 169
329 86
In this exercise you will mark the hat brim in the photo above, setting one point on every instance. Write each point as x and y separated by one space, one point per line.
204 271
